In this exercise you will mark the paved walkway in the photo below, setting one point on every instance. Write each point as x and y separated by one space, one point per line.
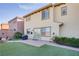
62 46
39 43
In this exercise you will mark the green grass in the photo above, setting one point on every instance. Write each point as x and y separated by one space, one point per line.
19 49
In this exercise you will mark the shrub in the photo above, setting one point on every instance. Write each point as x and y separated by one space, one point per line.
74 42
17 35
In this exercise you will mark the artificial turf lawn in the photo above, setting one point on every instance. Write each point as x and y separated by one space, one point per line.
19 49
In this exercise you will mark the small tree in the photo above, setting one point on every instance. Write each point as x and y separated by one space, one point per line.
17 35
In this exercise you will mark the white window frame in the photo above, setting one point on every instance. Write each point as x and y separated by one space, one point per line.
64 11
46 30
44 14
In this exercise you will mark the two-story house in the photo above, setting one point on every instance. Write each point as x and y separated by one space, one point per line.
16 25
59 19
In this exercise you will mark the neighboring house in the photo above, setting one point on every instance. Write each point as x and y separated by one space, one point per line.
16 25
4 31
59 19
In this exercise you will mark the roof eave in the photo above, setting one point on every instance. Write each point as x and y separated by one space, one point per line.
45 7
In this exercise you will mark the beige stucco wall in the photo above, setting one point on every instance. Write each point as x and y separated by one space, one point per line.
37 22
71 20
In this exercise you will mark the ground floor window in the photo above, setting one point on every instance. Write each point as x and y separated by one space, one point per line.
43 31
46 31
38 30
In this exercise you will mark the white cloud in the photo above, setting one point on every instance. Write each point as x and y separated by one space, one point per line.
31 6
26 6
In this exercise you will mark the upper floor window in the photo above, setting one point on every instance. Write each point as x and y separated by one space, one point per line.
64 11
45 14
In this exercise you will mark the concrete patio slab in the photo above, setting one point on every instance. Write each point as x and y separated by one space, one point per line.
35 43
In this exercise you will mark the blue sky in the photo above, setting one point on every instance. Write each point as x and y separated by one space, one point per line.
11 10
